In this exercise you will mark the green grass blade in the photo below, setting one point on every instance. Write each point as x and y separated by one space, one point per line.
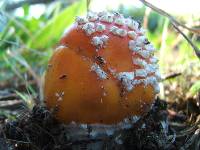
50 34
195 88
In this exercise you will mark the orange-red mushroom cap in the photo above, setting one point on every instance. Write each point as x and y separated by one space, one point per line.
103 71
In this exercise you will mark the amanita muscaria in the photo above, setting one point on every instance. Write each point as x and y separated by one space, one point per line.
103 71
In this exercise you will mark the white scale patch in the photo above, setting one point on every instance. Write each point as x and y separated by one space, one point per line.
92 16
106 17
132 34
150 47
132 24
114 29
140 73
101 74
151 68
140 81
133 46
120 20
144 53
137 48
141 40
96 41
153 81
153 60
81 20
100 27
140 62
117 31
126 78
121 32
89 28
100 41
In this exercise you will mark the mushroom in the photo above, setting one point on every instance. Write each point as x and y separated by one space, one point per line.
103 72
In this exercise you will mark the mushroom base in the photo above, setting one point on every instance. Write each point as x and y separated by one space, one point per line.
97 133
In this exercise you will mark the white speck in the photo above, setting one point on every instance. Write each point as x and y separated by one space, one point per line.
120 20
100 27
104 93
143 126
101 74
140 73
60 95
121 32
104 38
140 62
144 53
81 20
153 60
126 78
150 47
132 24
106 17
92 16
89 28
132 34
114 29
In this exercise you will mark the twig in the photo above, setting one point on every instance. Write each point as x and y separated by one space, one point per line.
196 49
175 24
171 76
